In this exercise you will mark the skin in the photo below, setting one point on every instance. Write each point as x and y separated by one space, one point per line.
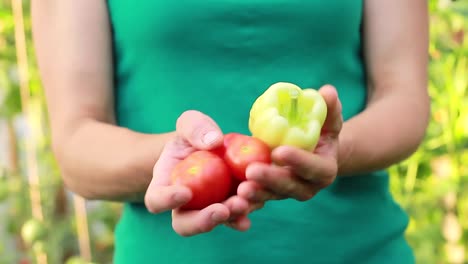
73 48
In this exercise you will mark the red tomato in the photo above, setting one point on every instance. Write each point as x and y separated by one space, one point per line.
234 186
228 138
206 174
241 150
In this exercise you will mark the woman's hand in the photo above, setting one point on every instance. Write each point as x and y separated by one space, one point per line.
194 131
297 173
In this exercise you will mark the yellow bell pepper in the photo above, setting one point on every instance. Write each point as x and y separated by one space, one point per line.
285 114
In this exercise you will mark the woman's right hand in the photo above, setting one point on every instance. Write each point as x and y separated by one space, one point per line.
194 131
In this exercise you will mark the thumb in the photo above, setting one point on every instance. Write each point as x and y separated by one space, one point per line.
334 120
199 130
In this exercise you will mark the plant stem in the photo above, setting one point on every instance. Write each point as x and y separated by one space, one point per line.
13 148
293 110
31 159
81 216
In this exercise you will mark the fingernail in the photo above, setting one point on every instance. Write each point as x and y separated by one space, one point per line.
181 197
217 217
210 137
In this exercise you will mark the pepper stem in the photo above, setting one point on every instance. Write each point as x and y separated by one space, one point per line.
293 110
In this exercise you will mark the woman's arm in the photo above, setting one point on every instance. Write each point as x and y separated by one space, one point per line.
98 159
390 128
395 120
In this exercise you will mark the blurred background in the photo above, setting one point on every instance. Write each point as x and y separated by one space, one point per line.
41 222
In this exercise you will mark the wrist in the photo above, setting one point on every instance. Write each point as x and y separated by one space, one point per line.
141 160
147 149
345 151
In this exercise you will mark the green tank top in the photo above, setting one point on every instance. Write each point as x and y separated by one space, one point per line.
217 57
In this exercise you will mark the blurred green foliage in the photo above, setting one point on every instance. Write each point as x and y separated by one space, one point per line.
432 185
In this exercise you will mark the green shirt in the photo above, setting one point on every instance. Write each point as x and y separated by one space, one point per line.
217 57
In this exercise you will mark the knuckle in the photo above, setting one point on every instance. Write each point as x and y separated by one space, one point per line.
230 225
267 196
198 130
256 206
260 196
172 143
278 197
328 179
150 204
326 182
289 187
259 206
204 227
286 189
305 196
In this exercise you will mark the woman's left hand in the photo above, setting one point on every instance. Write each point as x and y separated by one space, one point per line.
298 173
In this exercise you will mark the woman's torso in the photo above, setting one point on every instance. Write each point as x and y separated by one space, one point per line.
217 57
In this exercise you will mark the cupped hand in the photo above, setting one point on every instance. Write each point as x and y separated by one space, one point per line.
297 173
194 131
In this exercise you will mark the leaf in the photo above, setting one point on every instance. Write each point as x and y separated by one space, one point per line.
12 104
460 77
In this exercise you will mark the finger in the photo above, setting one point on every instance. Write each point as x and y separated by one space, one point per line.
237 206
199 130
334 120
189 223
256 206
255 192
241 223
307 165
174 151
281 181
160 198
159 195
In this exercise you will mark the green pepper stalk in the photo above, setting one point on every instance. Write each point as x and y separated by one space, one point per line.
285 114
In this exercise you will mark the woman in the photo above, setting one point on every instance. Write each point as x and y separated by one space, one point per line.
134 86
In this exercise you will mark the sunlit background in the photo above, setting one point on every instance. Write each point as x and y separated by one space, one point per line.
41 222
